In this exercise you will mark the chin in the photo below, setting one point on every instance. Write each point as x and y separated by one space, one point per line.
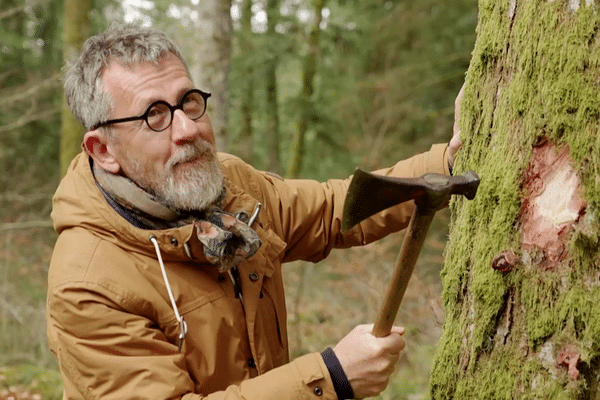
195 189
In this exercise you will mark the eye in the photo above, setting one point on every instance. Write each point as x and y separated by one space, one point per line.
193 105
158 116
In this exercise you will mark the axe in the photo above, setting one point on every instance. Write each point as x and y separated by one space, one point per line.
369 193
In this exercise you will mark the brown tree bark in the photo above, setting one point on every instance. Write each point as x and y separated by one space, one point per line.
522 266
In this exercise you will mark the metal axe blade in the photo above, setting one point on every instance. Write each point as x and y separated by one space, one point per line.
369 193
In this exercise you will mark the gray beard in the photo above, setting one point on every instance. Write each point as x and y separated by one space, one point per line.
189 189
197 190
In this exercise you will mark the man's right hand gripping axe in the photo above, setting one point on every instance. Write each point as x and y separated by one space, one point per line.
369 193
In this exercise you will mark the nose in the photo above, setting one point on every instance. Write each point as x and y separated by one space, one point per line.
185 130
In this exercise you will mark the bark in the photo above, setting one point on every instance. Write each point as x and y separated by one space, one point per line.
271 81
522 265
212 59
309 68
75 32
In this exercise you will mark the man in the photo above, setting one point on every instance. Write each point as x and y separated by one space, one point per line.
165 280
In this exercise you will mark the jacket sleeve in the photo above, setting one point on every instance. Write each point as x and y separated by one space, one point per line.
106 352
304 378
308 214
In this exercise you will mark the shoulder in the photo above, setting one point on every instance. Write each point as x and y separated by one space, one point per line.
82 259
231 163
254 182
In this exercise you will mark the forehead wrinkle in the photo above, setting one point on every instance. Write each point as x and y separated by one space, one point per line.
144 92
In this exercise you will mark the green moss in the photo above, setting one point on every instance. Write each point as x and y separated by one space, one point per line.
534 75
540 293
491 379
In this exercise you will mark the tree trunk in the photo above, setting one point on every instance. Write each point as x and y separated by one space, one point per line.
247 82
271 81
309 68
213 60
75 32
522 266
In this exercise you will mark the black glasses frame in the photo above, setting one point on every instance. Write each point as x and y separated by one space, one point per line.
144 116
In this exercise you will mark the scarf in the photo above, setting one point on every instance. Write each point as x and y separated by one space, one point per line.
227 238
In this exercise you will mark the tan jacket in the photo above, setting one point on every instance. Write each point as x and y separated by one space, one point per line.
112 325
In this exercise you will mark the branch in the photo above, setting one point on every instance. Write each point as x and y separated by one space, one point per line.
23 8
25 198
26 225
12 310
49 82
449 58
12 11
27 119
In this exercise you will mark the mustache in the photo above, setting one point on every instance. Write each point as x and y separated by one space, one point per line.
194 151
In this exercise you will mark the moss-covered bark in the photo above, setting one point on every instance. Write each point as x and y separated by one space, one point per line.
532 332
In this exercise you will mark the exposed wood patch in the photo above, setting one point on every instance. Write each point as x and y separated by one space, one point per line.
552 202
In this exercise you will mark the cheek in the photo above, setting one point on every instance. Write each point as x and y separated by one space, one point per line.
155 153
148 158
206 130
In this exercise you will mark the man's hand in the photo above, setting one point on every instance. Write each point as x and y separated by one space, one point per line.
368 361
455 142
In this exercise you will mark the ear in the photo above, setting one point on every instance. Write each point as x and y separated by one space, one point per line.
101 150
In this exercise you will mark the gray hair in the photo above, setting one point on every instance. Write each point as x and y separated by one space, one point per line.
125 44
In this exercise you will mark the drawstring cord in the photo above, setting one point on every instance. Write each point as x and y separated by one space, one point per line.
255 213
182 324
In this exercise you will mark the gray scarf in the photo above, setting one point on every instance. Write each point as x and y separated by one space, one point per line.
227 239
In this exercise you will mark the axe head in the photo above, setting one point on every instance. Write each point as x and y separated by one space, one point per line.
369 194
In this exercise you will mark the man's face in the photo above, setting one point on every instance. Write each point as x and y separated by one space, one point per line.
178 165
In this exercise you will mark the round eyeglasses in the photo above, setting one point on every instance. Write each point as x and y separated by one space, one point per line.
160 114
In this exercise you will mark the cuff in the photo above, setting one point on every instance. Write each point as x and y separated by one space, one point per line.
437 150
342 387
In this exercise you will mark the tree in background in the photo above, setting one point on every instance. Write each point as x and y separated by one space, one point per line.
309 69
212 60
245 133
76 29
29 79
522 271
271 62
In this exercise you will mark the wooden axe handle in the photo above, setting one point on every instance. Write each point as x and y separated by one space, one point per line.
405 264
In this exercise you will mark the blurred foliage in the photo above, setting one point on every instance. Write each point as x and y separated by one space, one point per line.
386 75
30 102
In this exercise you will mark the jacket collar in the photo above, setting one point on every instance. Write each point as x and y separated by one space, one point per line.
79 202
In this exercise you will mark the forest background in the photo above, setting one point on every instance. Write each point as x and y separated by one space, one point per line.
335 84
